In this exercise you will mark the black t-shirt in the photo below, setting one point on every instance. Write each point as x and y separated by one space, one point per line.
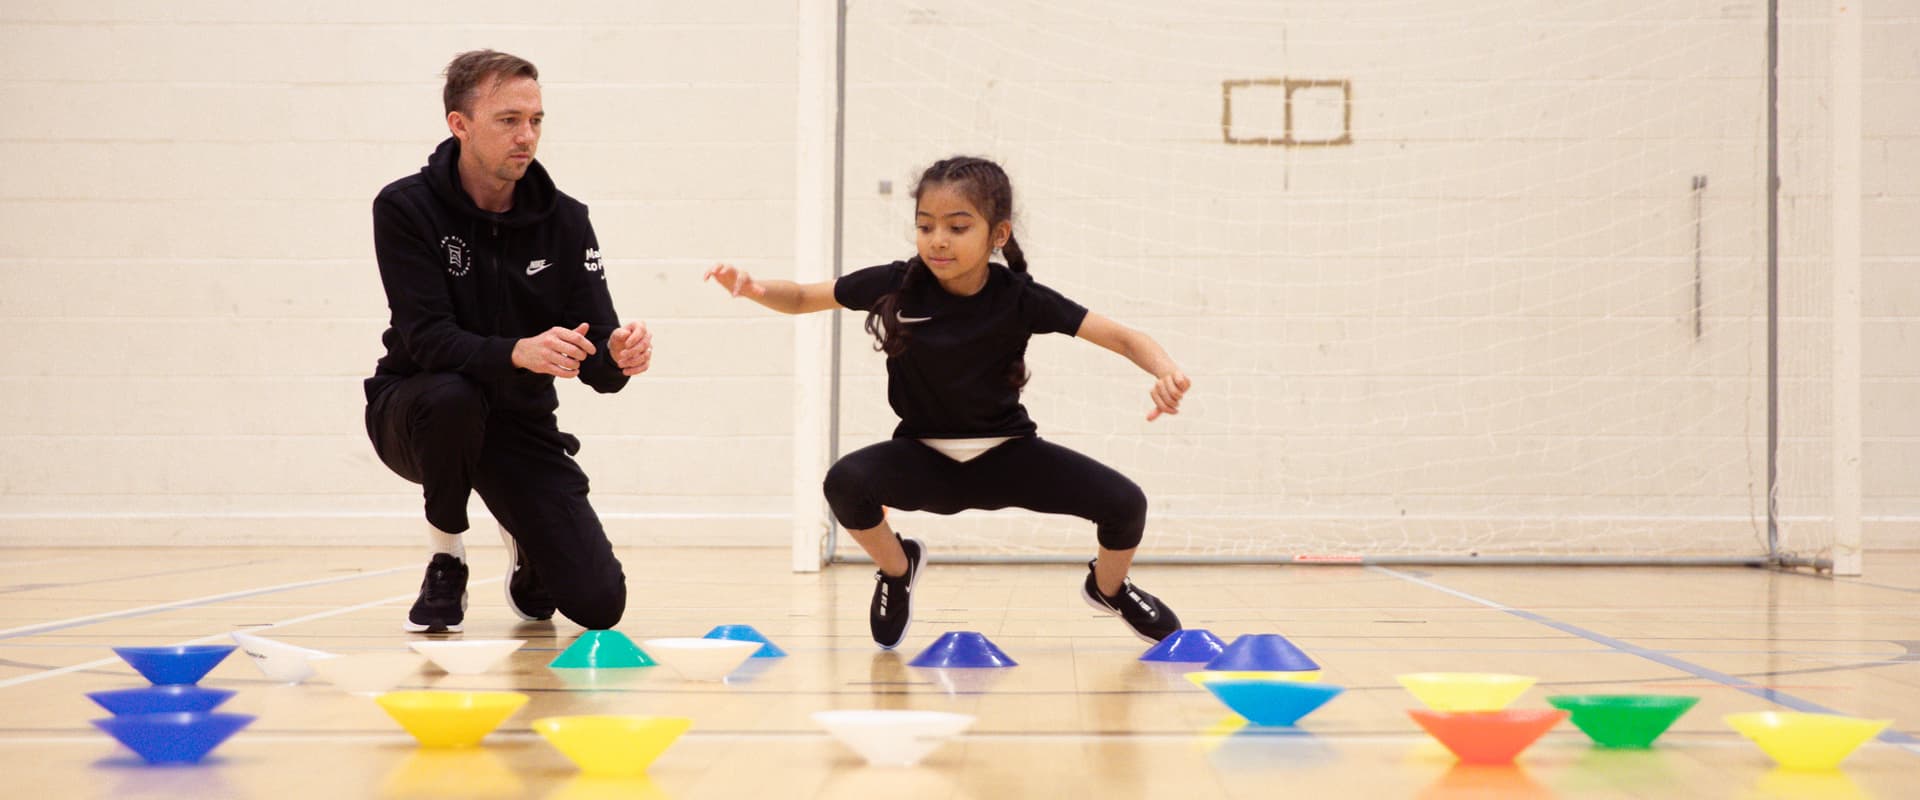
951 381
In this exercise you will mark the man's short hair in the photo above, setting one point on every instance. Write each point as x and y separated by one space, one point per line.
470 70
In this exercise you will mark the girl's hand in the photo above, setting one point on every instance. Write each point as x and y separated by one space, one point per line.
736 281
1167 393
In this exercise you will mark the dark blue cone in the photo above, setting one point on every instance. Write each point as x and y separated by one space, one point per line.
1262 652
1195 646
176 664
160 699
962 650
177 738
746 633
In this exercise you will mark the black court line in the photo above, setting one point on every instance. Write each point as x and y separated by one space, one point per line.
35 630
28 587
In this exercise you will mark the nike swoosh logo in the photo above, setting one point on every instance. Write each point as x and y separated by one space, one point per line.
906 320
537 265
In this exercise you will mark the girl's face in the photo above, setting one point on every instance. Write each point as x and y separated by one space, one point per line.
955 239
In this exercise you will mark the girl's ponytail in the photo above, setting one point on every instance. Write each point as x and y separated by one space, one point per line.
1016 260
883 319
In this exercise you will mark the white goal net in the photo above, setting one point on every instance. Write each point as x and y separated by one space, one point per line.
1463 279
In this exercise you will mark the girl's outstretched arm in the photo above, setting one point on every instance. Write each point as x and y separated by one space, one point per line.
785 297
1169 385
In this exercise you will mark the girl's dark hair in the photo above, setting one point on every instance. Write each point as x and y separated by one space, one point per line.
985 185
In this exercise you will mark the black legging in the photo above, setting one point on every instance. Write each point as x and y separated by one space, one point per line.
435 429
1026 472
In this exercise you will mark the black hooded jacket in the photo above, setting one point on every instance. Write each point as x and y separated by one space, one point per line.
463 284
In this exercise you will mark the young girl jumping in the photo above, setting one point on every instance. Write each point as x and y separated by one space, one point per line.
955 327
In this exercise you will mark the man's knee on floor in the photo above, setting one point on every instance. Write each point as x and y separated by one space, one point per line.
597 606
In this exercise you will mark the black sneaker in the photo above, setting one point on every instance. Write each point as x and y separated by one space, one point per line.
892 610
1150 619
527 598
442 605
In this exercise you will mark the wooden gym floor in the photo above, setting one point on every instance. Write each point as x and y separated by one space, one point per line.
1079 718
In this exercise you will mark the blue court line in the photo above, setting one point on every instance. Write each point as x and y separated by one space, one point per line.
1891 736
1878 586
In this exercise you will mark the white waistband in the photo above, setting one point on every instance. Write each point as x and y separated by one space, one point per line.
964 450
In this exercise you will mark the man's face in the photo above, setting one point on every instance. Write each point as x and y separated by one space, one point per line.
500 129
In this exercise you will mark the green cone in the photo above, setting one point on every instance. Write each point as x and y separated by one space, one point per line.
602 650
1623 720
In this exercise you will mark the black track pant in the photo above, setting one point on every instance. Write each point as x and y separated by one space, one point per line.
1027 472
434 429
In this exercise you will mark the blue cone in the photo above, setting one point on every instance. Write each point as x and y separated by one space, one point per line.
1273 702
176 664
746 633
1262 652
962 650
1197 645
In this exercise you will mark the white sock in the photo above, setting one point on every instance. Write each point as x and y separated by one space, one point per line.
452 544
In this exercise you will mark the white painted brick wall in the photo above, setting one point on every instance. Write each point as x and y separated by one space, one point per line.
187 268
189 299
